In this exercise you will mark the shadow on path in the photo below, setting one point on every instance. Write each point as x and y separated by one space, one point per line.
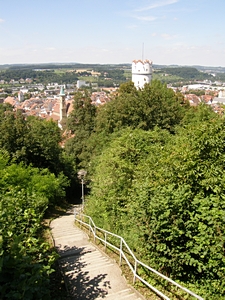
88 273
79 282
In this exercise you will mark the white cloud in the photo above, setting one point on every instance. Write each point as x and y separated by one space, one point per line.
1 20
132 26
167 36
145 18
156 5
138 13
50 49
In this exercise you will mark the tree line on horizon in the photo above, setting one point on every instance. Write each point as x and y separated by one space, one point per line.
50 73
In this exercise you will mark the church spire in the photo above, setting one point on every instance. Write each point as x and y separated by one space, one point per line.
62 93
62 105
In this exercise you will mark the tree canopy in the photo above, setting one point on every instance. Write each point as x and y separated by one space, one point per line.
31 140
154 105
81 123
164 193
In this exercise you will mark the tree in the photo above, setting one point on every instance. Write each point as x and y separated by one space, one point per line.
155 105
81 123
83 115
32 140
4 107
13 129
43 144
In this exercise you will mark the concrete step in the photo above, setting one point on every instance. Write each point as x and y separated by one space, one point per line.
127 294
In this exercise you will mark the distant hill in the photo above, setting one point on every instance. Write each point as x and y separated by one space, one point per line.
207 69
165 73
186 73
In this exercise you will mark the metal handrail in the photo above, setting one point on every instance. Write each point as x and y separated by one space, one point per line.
93 228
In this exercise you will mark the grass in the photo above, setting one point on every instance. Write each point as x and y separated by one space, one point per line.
88 78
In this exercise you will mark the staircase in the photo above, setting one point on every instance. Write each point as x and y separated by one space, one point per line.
88 273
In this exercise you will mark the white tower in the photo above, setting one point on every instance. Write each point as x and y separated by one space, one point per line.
141 72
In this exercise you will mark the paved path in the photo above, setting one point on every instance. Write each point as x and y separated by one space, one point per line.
89 274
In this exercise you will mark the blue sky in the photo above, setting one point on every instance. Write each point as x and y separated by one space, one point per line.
182 32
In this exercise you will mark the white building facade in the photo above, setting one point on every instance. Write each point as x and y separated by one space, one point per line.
141 72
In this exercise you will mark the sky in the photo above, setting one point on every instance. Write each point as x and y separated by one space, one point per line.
167 32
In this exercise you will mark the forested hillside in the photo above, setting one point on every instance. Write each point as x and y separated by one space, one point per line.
175 75
41 76
156 177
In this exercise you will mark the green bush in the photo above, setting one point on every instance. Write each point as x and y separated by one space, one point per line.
25 259
165 194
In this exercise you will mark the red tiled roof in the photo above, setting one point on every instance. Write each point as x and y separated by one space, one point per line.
10 100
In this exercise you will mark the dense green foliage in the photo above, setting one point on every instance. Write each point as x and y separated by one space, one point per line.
81 124
33 171
32 140
25 259
155 105
157 178
165 194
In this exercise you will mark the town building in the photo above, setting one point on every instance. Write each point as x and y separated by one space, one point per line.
81 83
141 72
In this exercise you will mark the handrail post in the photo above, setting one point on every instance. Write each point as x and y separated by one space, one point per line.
121 249
89 226
135 271
94 233
105 240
